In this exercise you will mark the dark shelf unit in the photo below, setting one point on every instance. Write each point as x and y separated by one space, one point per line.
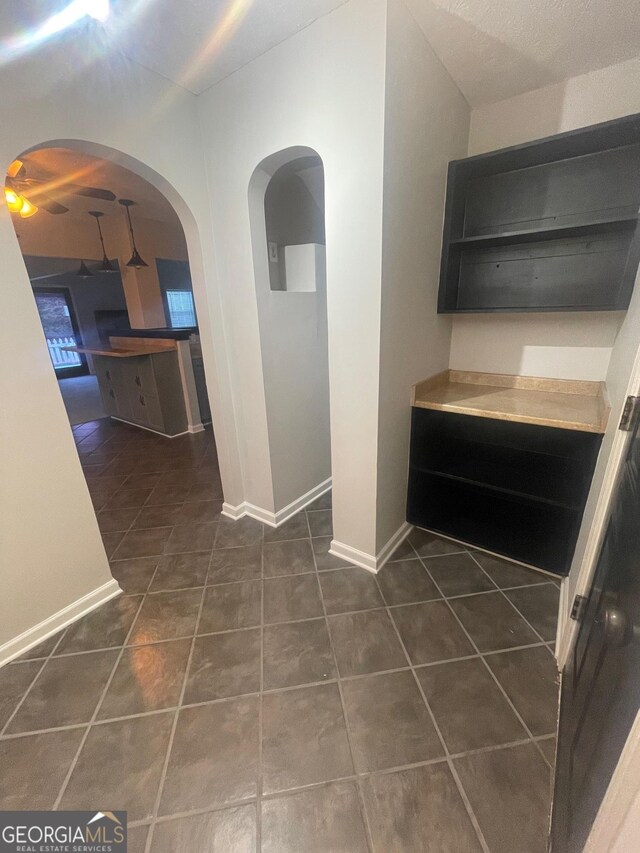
547 226
512 488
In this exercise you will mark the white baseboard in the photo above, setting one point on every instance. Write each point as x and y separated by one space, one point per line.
387 550
368 561
45 629
233 512
196 428
275 519
154 431
353 555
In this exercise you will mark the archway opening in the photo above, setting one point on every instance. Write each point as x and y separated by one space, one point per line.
109 267
286 196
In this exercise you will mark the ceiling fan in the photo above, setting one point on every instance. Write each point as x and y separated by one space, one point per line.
26 195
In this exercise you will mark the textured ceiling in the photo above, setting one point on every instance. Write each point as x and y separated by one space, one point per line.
197 43
494 49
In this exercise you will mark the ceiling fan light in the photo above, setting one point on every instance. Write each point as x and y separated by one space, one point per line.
27 209
14 168
14 201
136 261
84 271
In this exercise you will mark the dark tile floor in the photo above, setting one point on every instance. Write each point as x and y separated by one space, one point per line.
249 691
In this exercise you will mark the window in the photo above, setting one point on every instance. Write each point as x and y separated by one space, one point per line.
182 311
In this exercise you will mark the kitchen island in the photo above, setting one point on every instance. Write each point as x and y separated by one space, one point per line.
147 382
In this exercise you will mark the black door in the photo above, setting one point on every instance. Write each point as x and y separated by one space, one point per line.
601 683
61 330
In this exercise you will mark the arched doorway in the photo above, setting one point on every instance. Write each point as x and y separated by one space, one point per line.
114 277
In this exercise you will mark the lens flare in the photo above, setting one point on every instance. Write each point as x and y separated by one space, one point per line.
19 44
220 34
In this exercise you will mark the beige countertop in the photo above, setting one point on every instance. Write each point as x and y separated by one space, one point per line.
562 403
116 352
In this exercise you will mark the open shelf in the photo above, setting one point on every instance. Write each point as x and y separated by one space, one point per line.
534 235
539 534
514 488
491 487
547 226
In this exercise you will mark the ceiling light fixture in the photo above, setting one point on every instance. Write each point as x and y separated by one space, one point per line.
27 209
14 201
135 260
106 265
84 271
17 203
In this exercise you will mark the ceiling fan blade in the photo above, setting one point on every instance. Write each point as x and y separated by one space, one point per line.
53 207
47 203
91 192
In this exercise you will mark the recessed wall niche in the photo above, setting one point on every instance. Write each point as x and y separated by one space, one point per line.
294 223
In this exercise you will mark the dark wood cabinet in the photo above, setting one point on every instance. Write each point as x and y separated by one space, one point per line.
547 226
515 489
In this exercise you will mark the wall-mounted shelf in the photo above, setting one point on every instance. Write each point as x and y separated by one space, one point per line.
547 226
534 235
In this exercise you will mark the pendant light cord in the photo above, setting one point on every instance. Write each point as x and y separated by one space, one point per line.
133 239
104 251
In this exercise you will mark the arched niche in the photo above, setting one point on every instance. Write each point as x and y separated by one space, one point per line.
286 206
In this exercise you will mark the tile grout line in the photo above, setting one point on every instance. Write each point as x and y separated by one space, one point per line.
334 617
486 665
504 692
45 661
270 691
358 786
174 725
510 588
103 693
447 755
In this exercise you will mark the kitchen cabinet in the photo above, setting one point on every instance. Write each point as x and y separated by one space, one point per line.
502 467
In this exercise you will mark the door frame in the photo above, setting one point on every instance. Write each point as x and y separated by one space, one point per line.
81 369
618 818
567 628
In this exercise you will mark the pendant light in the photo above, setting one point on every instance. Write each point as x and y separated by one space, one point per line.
106 265
84 271
135 260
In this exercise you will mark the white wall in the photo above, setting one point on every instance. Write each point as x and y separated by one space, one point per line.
571 345
295 365
601 95
51 554
426 125
560 346
323 89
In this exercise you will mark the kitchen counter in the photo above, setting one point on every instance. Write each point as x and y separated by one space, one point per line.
562 403
116 352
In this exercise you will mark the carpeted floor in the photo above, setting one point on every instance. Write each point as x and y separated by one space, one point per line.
82 400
